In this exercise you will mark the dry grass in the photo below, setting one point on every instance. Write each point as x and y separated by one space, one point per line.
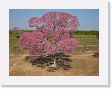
82 65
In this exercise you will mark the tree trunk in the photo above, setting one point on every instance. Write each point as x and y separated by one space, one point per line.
54 63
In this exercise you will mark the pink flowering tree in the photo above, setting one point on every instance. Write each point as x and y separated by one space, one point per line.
51 35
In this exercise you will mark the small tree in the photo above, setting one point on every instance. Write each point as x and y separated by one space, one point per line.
51 35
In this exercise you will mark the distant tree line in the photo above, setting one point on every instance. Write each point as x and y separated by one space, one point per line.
86 33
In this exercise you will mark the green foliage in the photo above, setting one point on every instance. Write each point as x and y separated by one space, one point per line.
86 33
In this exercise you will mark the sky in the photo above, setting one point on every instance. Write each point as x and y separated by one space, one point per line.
88 18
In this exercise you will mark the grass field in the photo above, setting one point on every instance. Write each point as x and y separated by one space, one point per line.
84 62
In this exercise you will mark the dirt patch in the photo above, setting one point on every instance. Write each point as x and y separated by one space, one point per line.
82 65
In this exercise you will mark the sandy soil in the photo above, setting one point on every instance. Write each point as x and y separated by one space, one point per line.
84 64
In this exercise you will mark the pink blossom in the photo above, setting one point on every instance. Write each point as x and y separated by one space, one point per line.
54 20
51 35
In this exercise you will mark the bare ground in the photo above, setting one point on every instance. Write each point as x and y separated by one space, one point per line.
84 64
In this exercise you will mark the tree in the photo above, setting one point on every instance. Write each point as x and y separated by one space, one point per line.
51 35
